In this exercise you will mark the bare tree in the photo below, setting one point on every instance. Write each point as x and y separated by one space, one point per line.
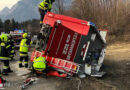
102 12
59 6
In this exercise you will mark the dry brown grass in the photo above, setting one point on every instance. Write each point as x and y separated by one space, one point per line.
120 51
117 62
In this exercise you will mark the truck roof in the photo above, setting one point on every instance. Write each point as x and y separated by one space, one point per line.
77 25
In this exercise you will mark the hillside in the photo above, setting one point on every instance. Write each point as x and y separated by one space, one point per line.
27 10
23 10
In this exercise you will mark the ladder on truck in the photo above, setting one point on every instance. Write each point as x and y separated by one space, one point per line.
67 66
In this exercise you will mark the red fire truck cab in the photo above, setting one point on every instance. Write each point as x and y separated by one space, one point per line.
71 46
17 36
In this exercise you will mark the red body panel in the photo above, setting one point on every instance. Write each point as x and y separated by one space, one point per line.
56 62
63 43
55 73
76 25
61 64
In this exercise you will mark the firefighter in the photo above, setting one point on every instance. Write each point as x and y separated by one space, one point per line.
44 6
4 54
1 79
11 42
39 66
24 48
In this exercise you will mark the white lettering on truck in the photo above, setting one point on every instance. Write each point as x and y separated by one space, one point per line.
72 46
69 50
66 47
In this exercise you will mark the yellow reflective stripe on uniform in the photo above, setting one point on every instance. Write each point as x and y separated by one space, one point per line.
23 54
4 58
42 5
25 62
11 56
41 69
8 46
5 67
44 8
39 61
12 51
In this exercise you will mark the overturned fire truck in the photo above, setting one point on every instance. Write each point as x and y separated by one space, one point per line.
71 46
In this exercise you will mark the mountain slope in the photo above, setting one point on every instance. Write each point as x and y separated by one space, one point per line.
4 11
23 10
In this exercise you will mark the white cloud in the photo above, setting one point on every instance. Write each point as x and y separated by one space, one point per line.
7 3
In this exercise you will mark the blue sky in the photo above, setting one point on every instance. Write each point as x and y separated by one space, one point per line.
7 3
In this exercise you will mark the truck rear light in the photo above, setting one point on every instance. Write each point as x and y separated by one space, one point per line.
75 68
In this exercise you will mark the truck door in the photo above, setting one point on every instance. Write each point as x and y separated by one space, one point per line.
63 43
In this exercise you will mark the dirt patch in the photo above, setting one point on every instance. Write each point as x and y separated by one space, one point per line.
117 66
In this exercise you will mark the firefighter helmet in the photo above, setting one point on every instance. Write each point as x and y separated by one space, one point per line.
4 38
39 64
25 35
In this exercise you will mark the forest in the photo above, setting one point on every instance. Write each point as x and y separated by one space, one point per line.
111 15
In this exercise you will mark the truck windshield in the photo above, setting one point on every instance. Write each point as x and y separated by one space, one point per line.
43 38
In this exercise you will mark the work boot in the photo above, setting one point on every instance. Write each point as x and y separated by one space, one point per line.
26 65
5 72
9 70
20 65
